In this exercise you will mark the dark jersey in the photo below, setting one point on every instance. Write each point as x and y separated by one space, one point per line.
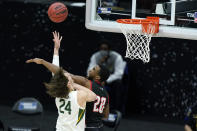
191 118
94 110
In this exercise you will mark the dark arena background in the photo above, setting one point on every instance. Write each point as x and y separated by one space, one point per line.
159 92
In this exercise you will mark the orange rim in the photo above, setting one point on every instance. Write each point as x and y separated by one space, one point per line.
152 20
137 21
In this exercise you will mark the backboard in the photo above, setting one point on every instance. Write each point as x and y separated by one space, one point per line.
178 18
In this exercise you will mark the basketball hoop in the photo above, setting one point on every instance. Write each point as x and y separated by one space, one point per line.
138 40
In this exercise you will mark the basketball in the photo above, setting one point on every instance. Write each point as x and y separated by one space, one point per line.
57 12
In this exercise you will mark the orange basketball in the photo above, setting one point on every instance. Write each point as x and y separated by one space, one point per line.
57 12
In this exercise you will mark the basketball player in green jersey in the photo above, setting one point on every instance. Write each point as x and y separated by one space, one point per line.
70 99
97 110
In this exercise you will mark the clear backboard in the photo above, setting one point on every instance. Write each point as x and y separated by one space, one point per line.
178 18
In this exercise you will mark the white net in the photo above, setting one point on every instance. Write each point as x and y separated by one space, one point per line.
138 41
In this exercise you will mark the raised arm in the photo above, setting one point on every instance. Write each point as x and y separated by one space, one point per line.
106 112
53 68
84 95
57 41
90 96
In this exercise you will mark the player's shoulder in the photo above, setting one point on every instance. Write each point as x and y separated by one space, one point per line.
114 53
103 91
95 85
96 53
81 94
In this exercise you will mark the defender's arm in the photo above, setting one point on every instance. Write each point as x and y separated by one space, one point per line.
53 68
106 111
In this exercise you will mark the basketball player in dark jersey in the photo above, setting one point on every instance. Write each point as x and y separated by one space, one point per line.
94 110
98 109
191 118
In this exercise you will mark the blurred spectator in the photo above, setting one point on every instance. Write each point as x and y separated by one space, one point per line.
191 119
116 65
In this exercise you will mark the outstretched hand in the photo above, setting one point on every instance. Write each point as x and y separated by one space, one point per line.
57 40
35 60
